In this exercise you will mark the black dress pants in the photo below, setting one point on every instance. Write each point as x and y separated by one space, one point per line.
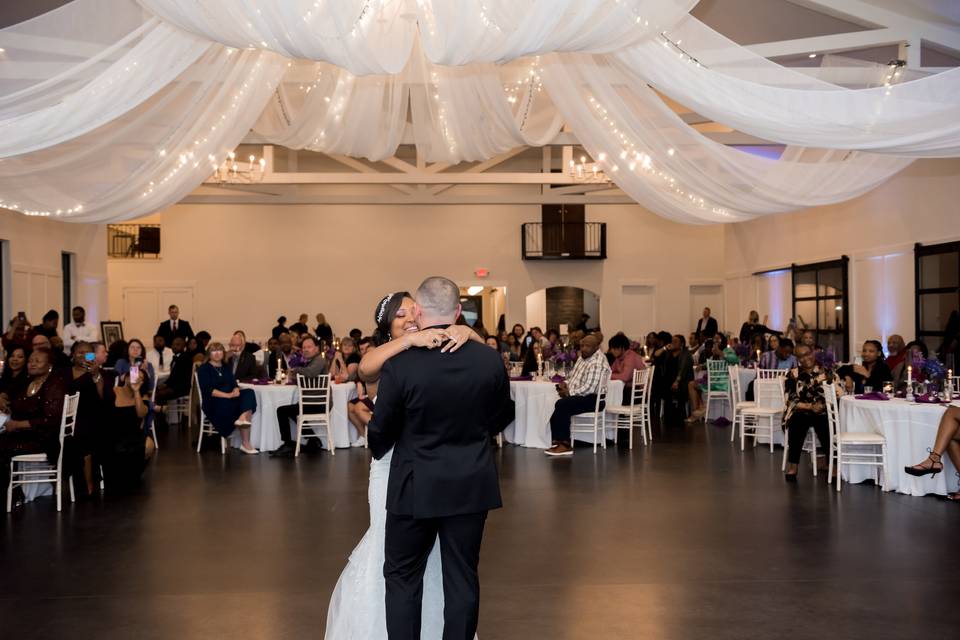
798 425
408 544
565 409
287 413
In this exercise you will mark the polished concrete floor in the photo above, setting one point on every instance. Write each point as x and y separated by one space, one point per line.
688 538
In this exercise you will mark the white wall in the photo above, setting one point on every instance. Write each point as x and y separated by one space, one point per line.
35 282
249 264
877 231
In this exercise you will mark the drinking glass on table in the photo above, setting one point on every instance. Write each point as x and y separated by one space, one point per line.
867 390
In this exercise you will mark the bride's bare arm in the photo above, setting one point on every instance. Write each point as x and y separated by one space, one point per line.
459 335
373 362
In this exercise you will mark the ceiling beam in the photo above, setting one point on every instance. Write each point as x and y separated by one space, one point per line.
416 199
835 43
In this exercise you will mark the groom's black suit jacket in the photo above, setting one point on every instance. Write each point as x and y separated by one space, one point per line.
440 410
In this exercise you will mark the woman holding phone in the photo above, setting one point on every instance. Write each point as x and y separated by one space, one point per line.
124 448
87 380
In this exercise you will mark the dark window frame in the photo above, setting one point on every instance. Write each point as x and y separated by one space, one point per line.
843 263
66 271
919 252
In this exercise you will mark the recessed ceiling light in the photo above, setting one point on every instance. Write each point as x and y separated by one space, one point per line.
812 55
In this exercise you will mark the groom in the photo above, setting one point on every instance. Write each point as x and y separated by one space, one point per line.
440 410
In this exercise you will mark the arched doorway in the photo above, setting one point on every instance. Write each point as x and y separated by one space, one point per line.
558 307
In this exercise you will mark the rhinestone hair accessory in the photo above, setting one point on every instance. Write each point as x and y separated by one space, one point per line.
383 307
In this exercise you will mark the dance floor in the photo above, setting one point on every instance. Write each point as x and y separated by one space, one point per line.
688 538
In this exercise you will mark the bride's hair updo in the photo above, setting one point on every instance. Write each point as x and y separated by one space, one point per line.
385 313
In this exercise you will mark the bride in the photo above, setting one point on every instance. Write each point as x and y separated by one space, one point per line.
357 610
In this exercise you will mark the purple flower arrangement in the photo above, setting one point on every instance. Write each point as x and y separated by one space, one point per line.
826 359
562 357
933 369
297 360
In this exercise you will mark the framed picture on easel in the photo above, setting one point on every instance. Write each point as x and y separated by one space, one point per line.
111 331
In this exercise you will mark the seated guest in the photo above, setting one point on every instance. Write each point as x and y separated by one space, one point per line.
324 331
160 356
203 341
366 344
757 345
280 328
241 362
61 361
177 385
553 340
514 348
79 329
537 334
14 374
115 352
174 327
35 414
752 327
136 356
872 373
345 363
806 409
48 325
518 332
719 350
301 325
679 375
774 343
578 394
948 439
224 403
280 357
914 350
19 334
530 359
808 339
87 380
493 342
314 365
896 351
272 344
99 353
625 362
355 335
780 358
123 443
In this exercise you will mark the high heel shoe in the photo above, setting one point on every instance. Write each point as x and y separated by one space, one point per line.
955 496
935 466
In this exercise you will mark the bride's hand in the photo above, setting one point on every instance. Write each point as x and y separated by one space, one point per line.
458 334
428 338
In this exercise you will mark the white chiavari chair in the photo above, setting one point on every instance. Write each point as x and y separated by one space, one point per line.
39 469
637 413
766 415
736 391
593 421
849 447
770 374
314 413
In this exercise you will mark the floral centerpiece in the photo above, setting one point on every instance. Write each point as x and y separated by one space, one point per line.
743 352
297 360
826 359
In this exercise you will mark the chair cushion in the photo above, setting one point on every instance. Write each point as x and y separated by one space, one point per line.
32 457
760 411
625 409
854 437
746 405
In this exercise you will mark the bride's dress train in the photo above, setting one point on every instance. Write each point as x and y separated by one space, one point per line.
357 610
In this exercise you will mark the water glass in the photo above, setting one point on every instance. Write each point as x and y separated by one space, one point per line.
867 389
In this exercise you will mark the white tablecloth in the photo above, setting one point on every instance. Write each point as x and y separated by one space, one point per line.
265 430
535 401
910 430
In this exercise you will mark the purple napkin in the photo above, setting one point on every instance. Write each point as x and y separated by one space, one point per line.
927 399
557 379
873 395
721 421
258 381
521 378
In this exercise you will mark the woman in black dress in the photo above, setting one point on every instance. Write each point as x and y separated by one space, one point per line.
35 415
14 373
123 447
873 373
224 402
87 380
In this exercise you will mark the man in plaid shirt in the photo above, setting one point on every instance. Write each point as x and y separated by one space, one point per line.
578 394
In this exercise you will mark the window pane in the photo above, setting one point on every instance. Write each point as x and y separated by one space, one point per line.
830 314
939 270
833 343
805 285
830 282
807 314
935 309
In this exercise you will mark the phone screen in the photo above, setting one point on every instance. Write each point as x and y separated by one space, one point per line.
134 374
90 356
22 316
529 340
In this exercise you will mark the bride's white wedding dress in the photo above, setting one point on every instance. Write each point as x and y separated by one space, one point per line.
357 610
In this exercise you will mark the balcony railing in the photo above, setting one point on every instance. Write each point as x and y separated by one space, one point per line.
564 240
133 241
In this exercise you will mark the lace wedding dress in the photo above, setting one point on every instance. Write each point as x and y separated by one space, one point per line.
357 610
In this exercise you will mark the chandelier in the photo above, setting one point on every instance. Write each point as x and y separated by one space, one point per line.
587 172
237 172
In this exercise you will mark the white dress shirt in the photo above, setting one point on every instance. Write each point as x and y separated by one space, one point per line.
153 357
73 332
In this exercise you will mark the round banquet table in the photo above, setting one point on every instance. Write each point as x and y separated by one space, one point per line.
910 429
265 430
535 401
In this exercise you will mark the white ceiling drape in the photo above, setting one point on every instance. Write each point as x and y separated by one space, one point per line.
109 111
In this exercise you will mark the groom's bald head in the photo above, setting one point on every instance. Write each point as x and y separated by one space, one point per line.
438 301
